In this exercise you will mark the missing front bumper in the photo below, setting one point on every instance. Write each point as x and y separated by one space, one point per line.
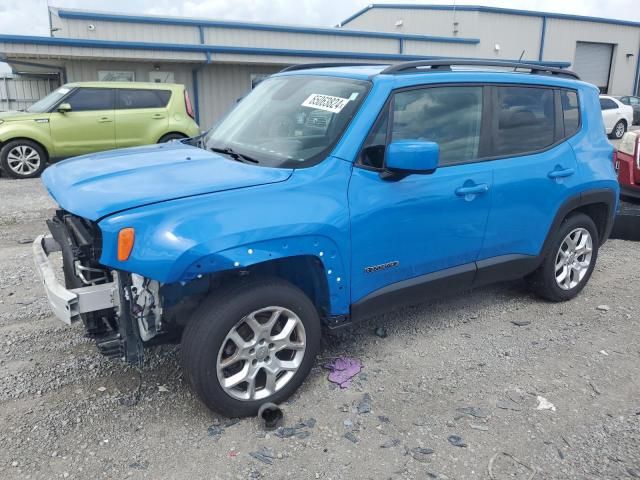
69 304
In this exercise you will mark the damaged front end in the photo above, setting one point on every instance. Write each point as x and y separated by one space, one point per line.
119 310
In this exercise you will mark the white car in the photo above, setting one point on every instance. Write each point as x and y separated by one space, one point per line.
617 116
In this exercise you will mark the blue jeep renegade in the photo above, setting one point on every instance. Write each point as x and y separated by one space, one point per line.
328 194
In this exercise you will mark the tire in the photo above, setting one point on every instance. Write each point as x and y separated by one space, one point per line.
22 159
169 137
545 281
619 130
206 342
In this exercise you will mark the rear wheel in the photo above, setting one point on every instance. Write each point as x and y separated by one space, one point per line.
619 129
170 137
251 343
570 262
22 158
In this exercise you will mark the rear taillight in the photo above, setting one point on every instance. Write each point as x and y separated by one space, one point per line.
187 105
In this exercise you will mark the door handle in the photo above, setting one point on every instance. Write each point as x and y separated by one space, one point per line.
105 120
472 190
561 173
157 116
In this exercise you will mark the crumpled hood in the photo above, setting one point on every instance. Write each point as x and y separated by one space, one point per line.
97 185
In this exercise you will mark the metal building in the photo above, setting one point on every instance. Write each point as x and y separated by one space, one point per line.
219 61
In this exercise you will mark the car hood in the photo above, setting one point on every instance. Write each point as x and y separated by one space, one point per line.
21 116
97 185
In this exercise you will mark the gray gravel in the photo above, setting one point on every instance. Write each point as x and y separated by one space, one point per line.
471 367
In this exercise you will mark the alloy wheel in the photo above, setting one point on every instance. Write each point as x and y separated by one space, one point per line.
261 353
574 258
23 160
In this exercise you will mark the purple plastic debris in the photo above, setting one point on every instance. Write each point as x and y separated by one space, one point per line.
343 369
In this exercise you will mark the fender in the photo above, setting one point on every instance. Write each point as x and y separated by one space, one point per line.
32 127
182 239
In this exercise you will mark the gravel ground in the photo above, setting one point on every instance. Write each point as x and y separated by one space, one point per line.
459 367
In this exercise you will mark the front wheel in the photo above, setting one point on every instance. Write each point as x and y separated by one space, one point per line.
570 262
251 343
22 158
619 130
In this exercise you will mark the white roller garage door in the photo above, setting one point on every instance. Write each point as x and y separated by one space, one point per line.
593 63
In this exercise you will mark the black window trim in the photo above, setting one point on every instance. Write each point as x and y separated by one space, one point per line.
488 111
117 97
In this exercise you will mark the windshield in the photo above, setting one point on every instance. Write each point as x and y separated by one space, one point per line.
289 121
45 104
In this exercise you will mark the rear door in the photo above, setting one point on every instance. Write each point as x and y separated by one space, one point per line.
88 127
141 116
534 170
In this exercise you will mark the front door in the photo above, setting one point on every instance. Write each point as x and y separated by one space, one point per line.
423 223
88 127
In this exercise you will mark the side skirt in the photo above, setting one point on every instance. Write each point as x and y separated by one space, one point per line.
439 284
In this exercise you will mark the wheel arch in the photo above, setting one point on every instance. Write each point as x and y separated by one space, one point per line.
598 204
22 137
176 132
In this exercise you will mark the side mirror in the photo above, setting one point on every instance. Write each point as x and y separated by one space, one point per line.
64 108
412 156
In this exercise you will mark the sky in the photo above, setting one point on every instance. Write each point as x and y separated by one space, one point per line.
29 17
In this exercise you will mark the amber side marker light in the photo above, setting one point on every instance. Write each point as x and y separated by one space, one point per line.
126 237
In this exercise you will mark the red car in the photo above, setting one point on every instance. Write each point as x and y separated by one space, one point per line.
627 162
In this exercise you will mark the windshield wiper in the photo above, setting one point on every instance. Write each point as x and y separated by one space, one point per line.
233 154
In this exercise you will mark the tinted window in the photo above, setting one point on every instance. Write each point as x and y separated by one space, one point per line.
130 98
607 104
449 116
634 100
625 100
84 99
525 120
570 112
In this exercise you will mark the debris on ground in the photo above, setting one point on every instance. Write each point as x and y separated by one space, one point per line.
343 369
544 404
529 468
162 389
383 419
364 405
475 412
521 323
299 430
482 428
421 454
604 352
393 442
508 405
381 332
351 437
270 415
603 308
215 431
265 455
456 441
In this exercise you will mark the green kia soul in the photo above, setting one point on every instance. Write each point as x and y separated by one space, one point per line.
87 117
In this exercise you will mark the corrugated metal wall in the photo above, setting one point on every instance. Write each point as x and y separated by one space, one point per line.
19 92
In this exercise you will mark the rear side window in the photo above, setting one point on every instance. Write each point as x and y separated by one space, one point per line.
129 98
86 99
449 116
525 120
607 104
570 112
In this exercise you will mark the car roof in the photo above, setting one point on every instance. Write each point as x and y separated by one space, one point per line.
146 85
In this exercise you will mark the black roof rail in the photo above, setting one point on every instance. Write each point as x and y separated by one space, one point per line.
306 66
445 65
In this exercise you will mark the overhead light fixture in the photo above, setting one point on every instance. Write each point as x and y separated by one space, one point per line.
399 23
